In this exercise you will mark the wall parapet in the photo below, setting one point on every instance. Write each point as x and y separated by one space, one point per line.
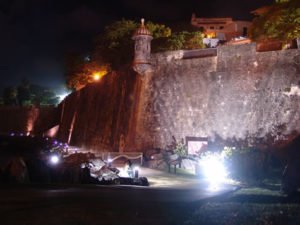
184 54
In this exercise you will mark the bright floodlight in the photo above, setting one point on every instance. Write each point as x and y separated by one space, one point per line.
214 169
63 95
123 172
54 159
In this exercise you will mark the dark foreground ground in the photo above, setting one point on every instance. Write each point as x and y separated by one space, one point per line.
248 206
85 205
92 204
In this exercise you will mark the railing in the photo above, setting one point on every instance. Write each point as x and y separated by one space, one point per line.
109 156
112 156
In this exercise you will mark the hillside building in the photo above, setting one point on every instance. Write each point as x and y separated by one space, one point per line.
224 29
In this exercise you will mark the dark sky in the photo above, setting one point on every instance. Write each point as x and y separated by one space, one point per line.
35 34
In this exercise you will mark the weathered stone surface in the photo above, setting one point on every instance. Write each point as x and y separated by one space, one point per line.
102 115
239 94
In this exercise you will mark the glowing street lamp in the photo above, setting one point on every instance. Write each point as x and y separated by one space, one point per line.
96 76
54 159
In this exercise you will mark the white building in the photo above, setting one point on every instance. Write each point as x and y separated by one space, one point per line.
221 28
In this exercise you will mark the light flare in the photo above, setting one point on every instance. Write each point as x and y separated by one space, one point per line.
54 159
98 75
214 170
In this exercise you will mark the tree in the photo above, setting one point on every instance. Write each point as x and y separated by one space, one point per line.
29 94
158 30
115 46
87 72
73 63
194 40
42 96
113 49
10 96
23 92
184 40
279 21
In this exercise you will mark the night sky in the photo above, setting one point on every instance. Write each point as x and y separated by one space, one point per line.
36 34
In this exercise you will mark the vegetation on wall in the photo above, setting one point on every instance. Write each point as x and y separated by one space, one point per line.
82 72
181 40
279 21
113 48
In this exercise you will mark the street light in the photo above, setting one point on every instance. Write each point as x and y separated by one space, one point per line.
54 159
96 76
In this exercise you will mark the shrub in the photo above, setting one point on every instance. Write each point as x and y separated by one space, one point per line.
180 149
245 164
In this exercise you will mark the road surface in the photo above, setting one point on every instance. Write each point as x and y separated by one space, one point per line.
163 203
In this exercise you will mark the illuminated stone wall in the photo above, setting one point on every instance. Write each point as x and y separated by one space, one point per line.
101 116
238 94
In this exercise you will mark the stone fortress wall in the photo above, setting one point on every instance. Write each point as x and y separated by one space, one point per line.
101 116
236 94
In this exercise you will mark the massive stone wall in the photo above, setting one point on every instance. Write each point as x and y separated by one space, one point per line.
101 116
238 94
235 95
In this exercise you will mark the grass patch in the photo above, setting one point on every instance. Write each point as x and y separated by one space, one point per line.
184 172
245 213
181 172
248 206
